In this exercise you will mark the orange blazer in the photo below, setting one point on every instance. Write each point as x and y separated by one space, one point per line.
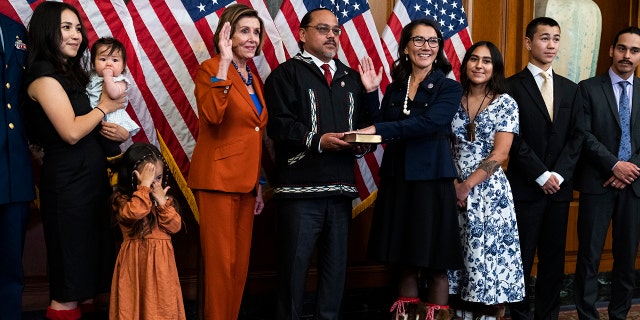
229 145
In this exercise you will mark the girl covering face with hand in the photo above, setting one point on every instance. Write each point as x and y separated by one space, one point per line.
145 282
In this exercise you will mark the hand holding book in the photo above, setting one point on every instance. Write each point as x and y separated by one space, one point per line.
356 137
364 135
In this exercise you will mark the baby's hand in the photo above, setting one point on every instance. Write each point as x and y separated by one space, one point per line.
145 178
159 194
107 72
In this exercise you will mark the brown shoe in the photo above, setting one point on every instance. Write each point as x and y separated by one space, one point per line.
430 311
405 309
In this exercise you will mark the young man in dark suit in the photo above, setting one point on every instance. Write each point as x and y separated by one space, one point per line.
16 179
606 178
541 165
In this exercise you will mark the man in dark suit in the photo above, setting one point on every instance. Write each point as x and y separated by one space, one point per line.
16 179
606 178
541 165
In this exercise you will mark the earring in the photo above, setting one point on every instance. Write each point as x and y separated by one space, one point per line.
406 58
435 61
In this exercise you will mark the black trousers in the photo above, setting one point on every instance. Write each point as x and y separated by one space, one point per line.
13 225
542 226
621 209
304 225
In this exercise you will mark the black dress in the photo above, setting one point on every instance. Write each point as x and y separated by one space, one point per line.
74 192
415 223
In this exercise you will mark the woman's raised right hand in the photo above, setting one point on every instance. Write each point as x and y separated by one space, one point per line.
225 43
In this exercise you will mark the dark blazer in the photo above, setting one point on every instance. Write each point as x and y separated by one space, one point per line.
602 134
16 177
543 145
426 133
303 107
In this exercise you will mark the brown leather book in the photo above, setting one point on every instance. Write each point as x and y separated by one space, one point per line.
362 138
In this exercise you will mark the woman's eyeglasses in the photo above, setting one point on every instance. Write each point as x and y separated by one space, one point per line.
419 41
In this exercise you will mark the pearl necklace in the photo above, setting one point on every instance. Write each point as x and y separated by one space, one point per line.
249 81
406 98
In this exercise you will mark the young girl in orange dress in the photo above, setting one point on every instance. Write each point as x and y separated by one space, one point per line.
145 281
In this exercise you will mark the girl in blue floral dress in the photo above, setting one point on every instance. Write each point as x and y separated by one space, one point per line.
484 126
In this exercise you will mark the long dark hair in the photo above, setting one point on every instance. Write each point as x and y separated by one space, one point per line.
402 67
45 37
136 155
496 83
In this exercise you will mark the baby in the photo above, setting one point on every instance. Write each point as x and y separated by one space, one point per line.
109 58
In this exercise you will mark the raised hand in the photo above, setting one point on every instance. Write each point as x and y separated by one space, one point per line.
159 194
146 174
370 79
225 43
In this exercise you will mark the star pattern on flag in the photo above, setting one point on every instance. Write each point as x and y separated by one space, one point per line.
345 10
448 14
198 9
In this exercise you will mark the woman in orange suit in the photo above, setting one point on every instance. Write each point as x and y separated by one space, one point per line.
225 166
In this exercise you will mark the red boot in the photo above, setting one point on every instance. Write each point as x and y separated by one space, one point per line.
73 314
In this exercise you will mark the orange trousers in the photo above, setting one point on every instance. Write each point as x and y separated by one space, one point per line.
226 223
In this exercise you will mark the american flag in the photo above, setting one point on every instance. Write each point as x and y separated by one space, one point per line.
165 42
359 38
448 14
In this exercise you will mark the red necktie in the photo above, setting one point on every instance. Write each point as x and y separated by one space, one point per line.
327 73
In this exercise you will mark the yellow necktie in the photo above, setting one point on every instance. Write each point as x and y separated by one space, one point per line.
547 92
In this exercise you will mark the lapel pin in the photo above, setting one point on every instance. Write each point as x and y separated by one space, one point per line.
19 44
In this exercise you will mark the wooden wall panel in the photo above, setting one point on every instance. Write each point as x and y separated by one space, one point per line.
502 23
614 19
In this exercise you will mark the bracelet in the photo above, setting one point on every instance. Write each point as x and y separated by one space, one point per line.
104 114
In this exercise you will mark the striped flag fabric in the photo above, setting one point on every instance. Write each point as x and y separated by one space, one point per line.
165 42
448 14
359 38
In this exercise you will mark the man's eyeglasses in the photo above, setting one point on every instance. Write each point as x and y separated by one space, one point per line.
323 29
419 41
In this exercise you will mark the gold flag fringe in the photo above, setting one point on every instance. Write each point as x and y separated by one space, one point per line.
177 174
366 203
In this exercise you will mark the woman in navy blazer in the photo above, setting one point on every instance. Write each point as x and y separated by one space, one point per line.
415 225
